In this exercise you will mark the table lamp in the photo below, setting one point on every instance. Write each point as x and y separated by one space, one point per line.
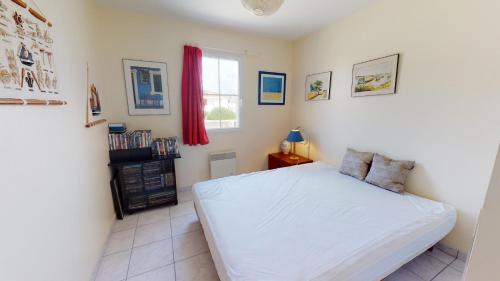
294 136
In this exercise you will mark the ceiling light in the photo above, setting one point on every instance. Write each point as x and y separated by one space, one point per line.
262 7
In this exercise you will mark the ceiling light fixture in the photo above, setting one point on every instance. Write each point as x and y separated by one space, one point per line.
262 7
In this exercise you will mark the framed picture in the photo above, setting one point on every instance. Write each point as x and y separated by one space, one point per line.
272 88
95 102
318 86
147 87
375 77
94 109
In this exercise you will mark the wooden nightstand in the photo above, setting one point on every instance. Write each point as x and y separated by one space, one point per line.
280 160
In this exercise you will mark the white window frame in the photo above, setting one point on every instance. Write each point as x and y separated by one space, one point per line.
152 81
229 56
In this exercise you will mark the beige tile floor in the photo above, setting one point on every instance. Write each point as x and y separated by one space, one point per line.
167 245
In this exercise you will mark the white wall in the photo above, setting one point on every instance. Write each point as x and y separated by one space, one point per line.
55 204
135 36
484 260
445 115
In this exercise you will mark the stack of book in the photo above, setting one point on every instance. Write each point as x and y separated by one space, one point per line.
169 179
131 178
152 176
165 146
162 197
117 128
130 140
137 202
153 183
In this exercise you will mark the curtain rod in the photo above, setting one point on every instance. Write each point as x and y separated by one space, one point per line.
243 52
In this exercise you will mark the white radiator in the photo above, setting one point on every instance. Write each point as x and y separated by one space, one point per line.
222 164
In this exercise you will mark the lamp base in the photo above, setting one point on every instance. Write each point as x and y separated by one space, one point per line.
293 156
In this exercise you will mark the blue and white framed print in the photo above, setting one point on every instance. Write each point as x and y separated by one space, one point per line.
272 88
147 87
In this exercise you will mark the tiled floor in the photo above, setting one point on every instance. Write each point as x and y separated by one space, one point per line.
167 245
435 266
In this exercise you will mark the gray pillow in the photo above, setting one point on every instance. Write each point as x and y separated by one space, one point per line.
356 164
389 174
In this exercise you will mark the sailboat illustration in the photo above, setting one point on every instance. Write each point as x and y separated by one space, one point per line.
25 56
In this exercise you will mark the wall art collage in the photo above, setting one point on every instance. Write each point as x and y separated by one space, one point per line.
369 78
26 58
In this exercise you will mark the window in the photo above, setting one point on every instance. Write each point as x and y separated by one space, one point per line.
157 87
221 92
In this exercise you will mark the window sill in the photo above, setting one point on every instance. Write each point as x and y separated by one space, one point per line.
227 130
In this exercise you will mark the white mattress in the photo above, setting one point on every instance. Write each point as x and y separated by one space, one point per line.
310 222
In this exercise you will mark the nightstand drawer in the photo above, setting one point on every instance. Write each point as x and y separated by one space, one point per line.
280 160
273 164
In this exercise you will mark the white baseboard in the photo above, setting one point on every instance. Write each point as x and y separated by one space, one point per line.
185 188
452 251
103 248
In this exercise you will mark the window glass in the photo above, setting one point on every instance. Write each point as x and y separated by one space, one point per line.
221 93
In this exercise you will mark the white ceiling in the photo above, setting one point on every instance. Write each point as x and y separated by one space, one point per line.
295 18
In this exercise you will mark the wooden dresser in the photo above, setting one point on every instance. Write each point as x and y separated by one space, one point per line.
280 160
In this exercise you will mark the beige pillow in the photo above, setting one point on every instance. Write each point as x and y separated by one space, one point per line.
356 164
389 174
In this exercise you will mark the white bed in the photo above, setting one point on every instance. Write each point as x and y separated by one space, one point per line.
310 222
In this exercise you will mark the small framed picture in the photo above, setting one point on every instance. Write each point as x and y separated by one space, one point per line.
95 102
375 77
318 86
272 88
147 87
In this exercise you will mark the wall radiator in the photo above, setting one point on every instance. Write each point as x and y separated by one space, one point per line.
222 164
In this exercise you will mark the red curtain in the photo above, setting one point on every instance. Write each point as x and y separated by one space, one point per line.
193 125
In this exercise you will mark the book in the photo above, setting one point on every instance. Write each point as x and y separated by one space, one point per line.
165 146
117 128
130 140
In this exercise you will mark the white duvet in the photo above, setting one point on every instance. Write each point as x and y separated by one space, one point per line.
309 222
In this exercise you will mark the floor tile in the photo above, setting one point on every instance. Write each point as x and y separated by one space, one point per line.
119 241
151 256
449 274
185 196
197 268
440 255
458 265
403 275
184 208
188 245
154 232
94 272
450 251
185 224
113 267
425 266
127 223
155 250
166 273
153 216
